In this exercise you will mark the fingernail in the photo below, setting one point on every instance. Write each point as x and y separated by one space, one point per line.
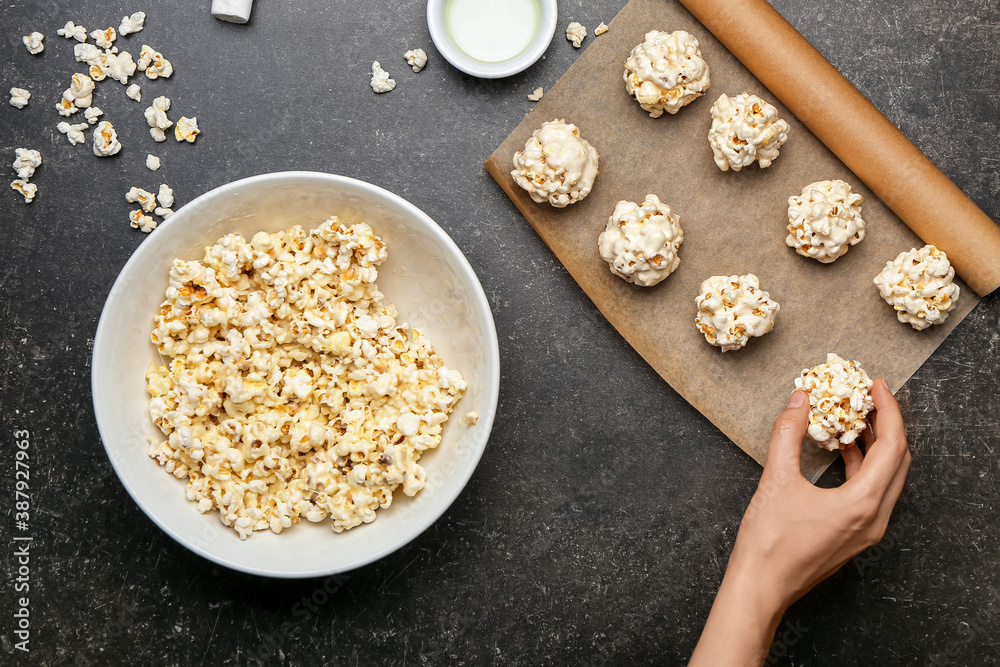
885 385
796 399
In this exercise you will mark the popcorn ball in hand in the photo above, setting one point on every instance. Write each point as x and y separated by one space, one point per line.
839 400
825 220
731 309
557 165
919 285
666 72
745 128
641 241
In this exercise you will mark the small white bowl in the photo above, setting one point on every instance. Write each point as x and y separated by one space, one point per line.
428 279
491 70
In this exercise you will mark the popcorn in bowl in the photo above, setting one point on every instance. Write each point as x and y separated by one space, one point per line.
732 309
666 72
920 286
291 389
839 400
745 128
641 241
557 165
825 220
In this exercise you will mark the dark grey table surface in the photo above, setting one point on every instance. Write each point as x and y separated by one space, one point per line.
599 522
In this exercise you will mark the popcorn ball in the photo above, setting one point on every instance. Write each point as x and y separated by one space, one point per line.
825 220
732 309
745 128
919 285
641 241
839 400
291 391
666 72
557 165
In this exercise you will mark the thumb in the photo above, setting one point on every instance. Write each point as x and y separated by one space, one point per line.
789 428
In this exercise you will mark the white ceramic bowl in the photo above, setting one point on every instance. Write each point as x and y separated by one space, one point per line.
425 276
548 14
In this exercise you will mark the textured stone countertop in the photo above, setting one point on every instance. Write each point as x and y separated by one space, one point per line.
599 521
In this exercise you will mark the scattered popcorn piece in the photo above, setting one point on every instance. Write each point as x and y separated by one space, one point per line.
143 223
187 129
92 114
920 286
381 83
152 162
132 24
73 31
33 42
66 108
26 160
163 212
333 409
104 38
27 190
124 69
165 196
536 94
666 72
19 97
825 220
840 400
118 66
600 30
144 198
416 58
641 241
470 418
154 64
576 33
745 128
73 132
106 140
557 165
80 91
156 117
732 309
86 53
135 92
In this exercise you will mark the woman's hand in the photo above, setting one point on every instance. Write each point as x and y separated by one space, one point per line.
794 535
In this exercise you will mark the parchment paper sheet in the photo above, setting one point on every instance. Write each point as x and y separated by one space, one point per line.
734 223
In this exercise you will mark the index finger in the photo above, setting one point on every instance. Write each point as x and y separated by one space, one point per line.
886 454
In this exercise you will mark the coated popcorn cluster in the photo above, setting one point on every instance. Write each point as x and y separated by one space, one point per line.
839 400
825 220
641 241
745 128
734 309
666 72
291 389
557 165
920 286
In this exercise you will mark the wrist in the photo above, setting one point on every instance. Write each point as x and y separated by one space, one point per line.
741 625
747 582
